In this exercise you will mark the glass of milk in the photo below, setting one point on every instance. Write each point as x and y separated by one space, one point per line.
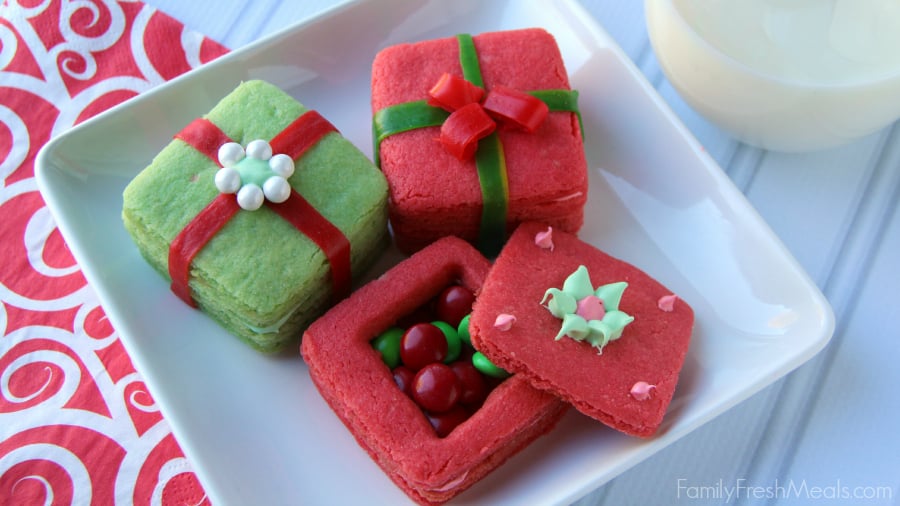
787 75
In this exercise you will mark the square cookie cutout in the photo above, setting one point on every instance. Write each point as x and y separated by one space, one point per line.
352 378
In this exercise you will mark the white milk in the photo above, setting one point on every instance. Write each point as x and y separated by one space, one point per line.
823 41
791 75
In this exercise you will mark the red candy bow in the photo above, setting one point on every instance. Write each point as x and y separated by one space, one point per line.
472 119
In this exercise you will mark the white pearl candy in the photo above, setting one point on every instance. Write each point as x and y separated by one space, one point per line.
230 154
282 164
228 180
277 189
250 197
259 149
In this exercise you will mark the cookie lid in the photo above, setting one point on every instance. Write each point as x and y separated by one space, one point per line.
594 330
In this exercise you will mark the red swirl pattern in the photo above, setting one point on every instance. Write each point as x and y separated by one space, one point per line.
77 423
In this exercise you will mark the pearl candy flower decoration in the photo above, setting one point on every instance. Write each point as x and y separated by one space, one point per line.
254 174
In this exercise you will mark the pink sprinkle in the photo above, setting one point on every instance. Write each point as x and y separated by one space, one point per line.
545 239
591 308
504 322
641 390
667 303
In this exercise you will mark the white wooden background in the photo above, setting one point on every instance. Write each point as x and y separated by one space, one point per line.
834 421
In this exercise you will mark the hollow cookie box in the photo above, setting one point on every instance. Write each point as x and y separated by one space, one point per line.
624 368
514 175
358 386
263 274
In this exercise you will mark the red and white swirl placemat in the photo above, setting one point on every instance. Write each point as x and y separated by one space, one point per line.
77 425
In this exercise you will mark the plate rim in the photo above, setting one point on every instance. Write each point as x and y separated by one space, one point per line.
44 176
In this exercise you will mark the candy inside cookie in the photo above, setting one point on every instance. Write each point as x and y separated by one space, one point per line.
350 372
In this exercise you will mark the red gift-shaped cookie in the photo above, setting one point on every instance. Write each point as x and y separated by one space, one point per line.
477 134
355 381
594 330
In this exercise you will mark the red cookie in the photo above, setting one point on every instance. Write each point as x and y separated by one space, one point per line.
361 390
433 193
647 358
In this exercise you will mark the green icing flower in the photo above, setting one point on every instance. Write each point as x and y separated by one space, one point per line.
588 314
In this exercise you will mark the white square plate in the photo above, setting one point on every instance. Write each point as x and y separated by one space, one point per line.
254 427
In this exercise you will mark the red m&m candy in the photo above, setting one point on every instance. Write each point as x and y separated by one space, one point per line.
436 388
473 387
444 423
453 304
422 344
403 377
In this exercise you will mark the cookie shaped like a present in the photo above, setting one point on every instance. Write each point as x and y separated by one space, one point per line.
476 134
260 214
594 330
409 439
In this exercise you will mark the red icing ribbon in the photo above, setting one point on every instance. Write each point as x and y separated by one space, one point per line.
193 237
473 119
453 92
294 141
516 107
463 129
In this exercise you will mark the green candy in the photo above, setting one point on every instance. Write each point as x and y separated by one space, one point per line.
388 344
485 366
463 330
454 345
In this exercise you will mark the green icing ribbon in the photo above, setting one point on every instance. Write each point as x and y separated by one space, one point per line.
404 117
490 160
561 101
491 164
468 60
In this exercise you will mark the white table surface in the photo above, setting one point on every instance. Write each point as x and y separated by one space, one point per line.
830 427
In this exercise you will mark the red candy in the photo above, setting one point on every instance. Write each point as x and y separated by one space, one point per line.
461 132
473 387
452 92
446 394
422 344
453 304
516 107
444 423
403 377
436 388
